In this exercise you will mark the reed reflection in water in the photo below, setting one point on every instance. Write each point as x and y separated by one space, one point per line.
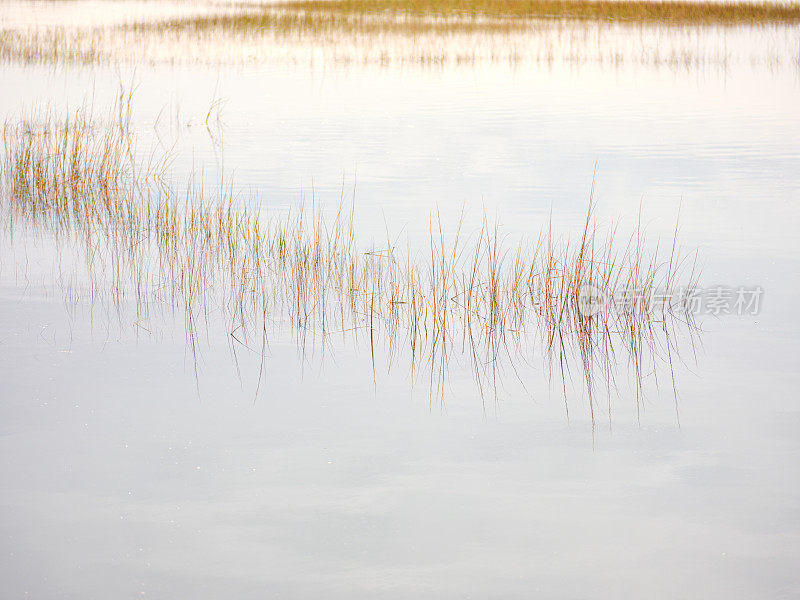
126 234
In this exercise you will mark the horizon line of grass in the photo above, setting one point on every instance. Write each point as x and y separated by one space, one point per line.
396 32
666 11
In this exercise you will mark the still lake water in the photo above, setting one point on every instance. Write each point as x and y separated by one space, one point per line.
124 477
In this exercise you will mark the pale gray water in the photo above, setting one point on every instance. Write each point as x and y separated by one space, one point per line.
119 480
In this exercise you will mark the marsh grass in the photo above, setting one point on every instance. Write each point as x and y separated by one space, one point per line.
84 182
635 11
423 34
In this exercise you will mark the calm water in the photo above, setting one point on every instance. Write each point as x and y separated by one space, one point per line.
125 475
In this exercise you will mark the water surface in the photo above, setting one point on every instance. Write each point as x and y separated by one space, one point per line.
125 474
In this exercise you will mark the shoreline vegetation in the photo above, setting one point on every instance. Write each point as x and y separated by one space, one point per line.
634 11
448 17
674 35
83 182
453 16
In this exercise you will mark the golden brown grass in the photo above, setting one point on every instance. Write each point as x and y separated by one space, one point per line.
85 182
314 18
664 12
671 34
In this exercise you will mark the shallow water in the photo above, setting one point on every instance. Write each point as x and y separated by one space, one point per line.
127 473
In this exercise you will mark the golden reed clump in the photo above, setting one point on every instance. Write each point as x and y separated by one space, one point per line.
85 182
